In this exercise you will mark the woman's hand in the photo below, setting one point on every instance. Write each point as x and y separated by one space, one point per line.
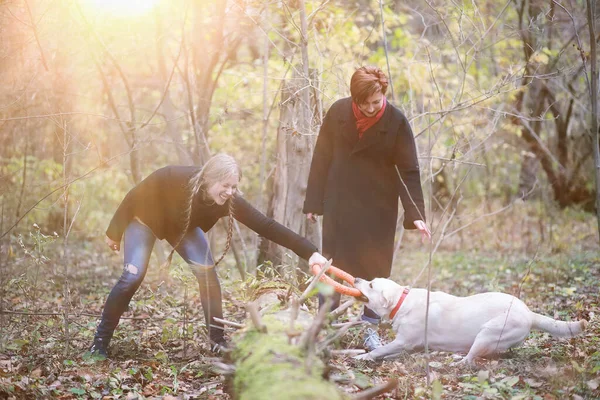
114 246
425 232
311 217
317 258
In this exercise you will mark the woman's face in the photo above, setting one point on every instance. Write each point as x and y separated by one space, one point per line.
372 104
221 191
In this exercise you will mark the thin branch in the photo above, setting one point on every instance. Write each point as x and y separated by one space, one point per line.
376 391
309 338
101 165
89 114
488 215
385 48
341 332
343 307
166 90
315 280
452 160
347 352
230 323
252 309
37 38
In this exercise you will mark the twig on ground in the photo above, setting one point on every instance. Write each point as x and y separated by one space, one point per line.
376 391
229 323
223 368
340 310
343 329
294 309
314 281
308 340
351 323
252 309
347 352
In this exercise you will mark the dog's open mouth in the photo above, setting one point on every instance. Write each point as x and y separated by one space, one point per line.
362 298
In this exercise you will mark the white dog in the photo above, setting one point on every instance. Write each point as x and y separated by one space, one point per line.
478 325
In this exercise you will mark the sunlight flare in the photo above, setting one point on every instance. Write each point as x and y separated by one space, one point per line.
121 8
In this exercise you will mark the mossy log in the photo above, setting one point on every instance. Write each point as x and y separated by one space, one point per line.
271 361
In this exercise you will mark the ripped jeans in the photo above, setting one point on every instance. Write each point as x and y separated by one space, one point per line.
137 247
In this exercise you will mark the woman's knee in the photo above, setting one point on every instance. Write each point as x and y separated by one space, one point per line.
203 271
132 276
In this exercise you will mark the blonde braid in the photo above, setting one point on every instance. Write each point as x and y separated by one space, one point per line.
229 232
195 184
215 169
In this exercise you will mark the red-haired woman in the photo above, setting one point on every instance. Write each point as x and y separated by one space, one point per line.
180 204
364 159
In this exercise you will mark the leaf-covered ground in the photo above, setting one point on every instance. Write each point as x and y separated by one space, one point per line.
160 350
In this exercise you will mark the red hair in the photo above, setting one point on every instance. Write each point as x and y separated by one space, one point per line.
367 81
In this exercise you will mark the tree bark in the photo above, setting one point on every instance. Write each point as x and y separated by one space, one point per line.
536 98
591 15
294 150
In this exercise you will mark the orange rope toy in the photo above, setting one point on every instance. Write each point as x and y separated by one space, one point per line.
343 275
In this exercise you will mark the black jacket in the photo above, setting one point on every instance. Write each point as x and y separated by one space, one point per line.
354 184
159 202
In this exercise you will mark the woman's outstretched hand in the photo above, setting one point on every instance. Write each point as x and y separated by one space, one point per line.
425 232
114 246
317 258
311 217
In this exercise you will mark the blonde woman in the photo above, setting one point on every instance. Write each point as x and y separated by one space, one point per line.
180 204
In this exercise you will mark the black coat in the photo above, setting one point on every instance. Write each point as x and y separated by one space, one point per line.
354 184
159 202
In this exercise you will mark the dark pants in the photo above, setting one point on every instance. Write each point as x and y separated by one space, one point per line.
137 247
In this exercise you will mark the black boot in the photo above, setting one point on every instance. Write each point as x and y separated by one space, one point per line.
218 343
100 347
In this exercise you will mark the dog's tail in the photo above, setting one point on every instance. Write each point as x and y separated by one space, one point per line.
558 328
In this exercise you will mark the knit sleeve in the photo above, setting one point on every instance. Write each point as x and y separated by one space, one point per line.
141 201
271 229
122 216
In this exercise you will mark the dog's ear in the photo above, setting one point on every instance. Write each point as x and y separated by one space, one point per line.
388 294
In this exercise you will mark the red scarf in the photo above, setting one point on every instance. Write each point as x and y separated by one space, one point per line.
362 121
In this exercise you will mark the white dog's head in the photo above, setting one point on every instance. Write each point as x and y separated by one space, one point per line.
381 294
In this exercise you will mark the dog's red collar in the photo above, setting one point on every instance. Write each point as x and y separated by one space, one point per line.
404 294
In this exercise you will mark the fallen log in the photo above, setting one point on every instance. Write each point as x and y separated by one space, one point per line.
272 360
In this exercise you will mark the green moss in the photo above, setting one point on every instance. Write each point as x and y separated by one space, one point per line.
267 367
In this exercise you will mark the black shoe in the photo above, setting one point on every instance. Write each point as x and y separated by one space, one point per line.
219 348
372 340
99 348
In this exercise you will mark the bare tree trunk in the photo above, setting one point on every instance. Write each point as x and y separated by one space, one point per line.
3 274
294 149
527 174
295 143
59 218
24 176
591 15
532 102
168 109
265 133
66 257
171 130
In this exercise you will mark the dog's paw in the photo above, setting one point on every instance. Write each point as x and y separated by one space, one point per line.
365 357
464 362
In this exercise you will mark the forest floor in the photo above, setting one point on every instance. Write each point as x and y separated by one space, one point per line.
160 350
